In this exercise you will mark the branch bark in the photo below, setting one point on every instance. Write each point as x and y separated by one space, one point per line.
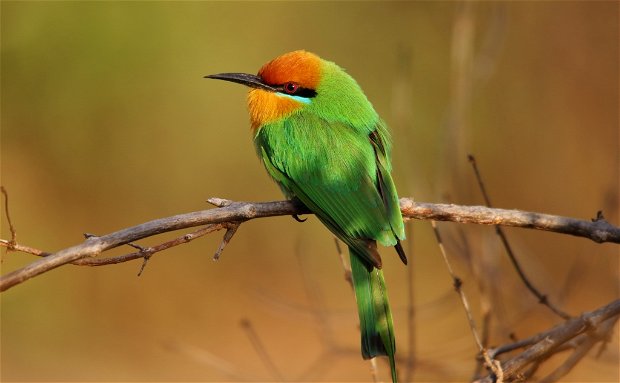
598 230
546 343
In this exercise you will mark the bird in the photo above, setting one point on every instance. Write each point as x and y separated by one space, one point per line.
321 140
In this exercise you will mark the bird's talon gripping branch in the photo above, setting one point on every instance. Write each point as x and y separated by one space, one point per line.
296 217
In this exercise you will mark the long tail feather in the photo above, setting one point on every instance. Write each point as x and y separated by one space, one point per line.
376 327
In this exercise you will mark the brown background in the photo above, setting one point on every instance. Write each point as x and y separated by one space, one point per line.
107 122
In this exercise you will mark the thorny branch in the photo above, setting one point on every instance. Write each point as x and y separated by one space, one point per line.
229 214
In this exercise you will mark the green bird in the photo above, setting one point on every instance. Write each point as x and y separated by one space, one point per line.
321 140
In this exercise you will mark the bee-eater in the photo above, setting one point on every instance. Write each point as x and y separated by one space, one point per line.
321 140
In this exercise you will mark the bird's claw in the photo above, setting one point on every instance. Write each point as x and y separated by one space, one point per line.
296 217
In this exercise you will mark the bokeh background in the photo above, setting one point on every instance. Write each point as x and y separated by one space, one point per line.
107 123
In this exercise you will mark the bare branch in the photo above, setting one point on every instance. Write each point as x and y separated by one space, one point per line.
544 344
22 248
458 283
145 252
260 349
232 229
599 230
13 241
542 298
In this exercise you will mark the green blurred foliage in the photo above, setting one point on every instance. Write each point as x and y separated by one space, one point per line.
107 122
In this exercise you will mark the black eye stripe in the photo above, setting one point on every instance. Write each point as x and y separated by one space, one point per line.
301 91
306 92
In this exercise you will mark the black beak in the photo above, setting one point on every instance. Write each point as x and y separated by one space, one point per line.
243 78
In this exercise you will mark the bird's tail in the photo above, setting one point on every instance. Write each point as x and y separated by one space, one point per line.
373 307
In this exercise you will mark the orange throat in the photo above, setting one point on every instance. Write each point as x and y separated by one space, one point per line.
266 107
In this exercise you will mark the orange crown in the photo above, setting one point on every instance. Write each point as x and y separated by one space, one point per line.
301 67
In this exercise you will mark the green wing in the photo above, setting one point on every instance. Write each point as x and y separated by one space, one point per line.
381 144
341 174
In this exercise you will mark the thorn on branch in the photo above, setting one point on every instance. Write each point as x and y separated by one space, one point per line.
230 231
599 216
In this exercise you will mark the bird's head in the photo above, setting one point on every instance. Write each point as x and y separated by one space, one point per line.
298 81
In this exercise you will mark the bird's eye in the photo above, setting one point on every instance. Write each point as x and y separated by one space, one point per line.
291 87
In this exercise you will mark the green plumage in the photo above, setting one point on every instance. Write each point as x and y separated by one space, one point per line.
333 154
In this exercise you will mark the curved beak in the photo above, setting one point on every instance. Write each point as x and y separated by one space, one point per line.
250 80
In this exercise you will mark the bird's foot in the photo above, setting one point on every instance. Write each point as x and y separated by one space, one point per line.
296 217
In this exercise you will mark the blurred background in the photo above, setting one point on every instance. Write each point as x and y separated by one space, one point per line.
107 123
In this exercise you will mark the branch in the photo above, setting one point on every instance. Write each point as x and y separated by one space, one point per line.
511 255
458 283
599 230
546 343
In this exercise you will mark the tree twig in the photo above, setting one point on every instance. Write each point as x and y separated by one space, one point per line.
599 230
542 298
585 345
230 231
145 252
546 343
458 283
13 241
261 350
